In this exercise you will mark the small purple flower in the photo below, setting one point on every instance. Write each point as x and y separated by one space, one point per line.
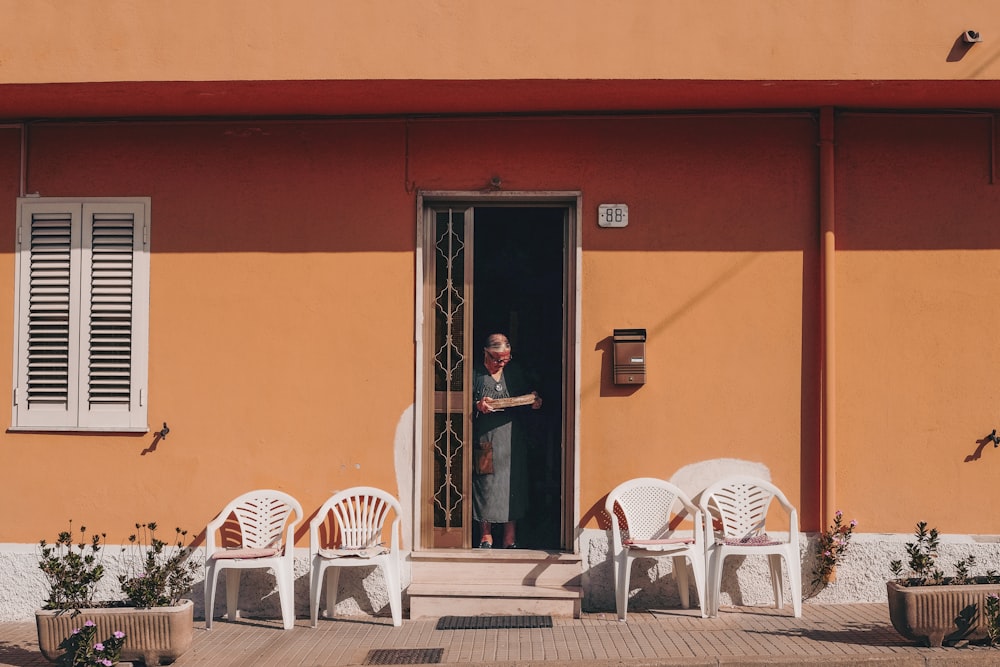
98 646
838 514
106 662
76 631
119 634
89 624
854 522
993 596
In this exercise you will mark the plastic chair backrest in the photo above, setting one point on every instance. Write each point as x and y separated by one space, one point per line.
740 504
360 514
647 507
262 516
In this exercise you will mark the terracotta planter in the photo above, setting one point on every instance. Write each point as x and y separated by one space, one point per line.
152 636
935 614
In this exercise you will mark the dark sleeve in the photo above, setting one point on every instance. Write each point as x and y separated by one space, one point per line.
477 387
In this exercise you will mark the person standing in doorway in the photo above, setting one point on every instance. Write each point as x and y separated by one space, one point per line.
500 479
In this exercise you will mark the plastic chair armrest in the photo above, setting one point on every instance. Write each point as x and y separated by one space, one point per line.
288 548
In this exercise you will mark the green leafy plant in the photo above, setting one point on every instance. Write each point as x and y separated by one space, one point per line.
923 559
156 575
962 571
830 549
72 569
82 648
993 619
922 562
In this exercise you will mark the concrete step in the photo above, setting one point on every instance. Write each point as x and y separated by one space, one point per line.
436 599
495 581
526 567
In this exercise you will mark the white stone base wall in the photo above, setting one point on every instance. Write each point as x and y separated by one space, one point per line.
362 590
861 577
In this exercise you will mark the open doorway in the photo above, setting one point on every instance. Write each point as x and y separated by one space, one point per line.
518 287
497 267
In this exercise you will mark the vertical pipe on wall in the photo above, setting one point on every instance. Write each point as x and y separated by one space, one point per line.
24 160
993 149
828 393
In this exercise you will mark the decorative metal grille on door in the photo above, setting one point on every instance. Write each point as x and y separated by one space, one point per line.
449 369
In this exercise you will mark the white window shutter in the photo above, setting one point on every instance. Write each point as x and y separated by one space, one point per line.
47 317
113 333
82 312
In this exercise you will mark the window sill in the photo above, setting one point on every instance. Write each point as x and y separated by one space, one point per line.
79 429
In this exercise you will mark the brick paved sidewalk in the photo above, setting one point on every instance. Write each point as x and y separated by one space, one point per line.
855 634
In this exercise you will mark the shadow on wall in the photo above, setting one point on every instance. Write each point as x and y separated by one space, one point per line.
692 479
695 478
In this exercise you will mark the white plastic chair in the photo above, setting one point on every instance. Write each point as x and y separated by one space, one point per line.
735 511
648 507
266 539
353 522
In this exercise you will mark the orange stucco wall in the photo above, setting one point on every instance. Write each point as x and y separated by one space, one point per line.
282 323
188 40
719 266
917 316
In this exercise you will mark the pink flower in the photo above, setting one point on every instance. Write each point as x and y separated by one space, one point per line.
98 646
119 634
106 662
89 624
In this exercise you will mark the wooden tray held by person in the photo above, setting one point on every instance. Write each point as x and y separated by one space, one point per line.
513 402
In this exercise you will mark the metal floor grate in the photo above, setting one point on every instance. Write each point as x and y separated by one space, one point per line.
404 656
492 622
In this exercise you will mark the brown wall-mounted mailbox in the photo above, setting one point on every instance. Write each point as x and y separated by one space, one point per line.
630 356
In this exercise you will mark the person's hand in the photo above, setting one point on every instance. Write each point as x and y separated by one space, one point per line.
485 405
538 401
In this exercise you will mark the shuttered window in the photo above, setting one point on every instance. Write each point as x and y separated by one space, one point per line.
82 312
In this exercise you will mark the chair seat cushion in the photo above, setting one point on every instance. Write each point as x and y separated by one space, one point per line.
669 540
365 552
761 540
242 553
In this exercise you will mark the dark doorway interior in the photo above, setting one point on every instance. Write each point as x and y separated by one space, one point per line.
518 289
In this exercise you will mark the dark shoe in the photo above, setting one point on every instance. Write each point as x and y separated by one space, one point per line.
512 545
485 545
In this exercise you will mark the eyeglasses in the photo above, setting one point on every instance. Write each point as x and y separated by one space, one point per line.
499 358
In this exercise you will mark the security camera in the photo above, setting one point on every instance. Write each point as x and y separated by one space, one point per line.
971 37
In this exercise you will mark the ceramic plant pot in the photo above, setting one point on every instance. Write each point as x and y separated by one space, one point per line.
154 636
932 615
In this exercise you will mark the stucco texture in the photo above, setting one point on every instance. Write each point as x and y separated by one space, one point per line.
186 40
282 349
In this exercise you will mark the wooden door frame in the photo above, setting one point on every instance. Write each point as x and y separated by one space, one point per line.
572 202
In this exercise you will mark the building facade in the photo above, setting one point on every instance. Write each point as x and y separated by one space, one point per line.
296 225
